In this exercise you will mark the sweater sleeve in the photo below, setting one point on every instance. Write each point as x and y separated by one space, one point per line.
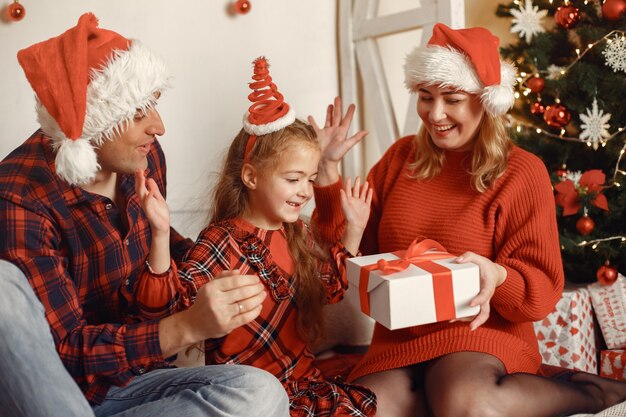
527 244
327 221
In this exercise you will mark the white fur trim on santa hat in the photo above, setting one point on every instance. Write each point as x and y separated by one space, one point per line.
271 127
127 83
448 67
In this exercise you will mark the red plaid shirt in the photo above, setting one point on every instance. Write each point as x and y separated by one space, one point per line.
83 264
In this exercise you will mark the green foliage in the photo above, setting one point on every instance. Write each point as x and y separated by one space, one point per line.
588 78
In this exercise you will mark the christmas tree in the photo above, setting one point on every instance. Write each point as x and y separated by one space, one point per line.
571 112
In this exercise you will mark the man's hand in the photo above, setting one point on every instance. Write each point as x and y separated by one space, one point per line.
223 304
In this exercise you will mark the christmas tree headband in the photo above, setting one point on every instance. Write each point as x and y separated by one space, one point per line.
466 59
269 112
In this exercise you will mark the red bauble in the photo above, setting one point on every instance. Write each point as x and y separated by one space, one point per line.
613 9
557 115
561 173
242 6
585 225
537 108
536 84
567 16
15 12
606 274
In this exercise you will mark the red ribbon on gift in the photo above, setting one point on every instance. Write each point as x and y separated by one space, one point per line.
421 255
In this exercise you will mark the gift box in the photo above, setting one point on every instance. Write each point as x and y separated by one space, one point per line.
609 302
612 364
567 336
407 288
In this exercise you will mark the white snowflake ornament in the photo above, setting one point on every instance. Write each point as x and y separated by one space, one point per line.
615 54
555 72
527 20
595 126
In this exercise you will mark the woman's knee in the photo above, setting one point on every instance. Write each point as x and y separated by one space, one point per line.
465 402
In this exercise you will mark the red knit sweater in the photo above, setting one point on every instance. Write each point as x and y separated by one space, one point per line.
512 223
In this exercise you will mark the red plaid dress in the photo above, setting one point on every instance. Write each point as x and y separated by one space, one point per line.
271 341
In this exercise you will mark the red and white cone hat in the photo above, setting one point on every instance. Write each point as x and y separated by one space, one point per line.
269 112
466 59
89 83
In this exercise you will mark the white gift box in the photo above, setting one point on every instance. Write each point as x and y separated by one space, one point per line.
567 336
609 303
413 296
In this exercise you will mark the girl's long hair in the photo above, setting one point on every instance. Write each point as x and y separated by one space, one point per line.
230 200
489 157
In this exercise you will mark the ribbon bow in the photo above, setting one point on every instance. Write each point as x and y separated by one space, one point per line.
426 250
568 194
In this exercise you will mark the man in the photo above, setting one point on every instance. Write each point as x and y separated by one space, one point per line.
71 221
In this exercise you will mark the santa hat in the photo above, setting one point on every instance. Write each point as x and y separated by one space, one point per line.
269 112
466 59
89 83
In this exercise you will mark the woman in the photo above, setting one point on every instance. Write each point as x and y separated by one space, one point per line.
462 182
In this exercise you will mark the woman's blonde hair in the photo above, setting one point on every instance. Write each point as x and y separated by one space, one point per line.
230 200
489 155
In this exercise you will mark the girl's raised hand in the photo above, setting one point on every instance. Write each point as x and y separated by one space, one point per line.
356 202
152 203
333 138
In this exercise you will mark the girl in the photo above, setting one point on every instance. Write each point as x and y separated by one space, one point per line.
461 181
255 227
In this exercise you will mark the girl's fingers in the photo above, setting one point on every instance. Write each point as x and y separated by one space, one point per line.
370 193
313 124
356 138
363 190
347 119
337 112
348 187
329 116
357 187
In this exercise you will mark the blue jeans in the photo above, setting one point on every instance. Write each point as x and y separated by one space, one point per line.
34 382
218 390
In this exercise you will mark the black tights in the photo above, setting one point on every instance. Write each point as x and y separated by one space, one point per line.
471 384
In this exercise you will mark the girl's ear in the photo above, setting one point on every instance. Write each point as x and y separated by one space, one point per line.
249 176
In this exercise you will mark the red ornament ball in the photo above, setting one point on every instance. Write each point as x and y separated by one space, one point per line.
567 16
613 9
537 108
606 274
561 173
536 84
15 12
557 115
585 225
242 6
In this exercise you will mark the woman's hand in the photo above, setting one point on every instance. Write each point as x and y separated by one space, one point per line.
153 204
492 275
334 141
355 203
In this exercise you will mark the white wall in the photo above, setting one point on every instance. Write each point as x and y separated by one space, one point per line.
209 54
